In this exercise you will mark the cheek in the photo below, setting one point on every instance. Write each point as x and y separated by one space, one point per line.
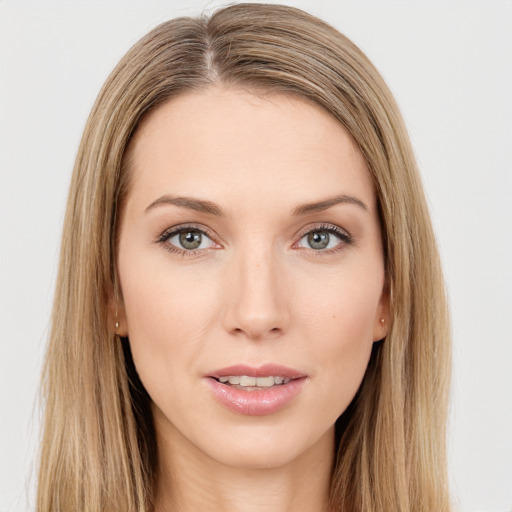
342 307
166 319
339 321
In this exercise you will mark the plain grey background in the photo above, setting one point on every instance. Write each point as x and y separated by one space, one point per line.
449 64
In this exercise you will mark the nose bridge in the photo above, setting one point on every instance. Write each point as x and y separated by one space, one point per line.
257 305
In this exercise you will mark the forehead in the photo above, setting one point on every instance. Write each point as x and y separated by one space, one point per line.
227 144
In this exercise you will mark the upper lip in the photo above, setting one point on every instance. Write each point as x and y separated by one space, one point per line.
265 370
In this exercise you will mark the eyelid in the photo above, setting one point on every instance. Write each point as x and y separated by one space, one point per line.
343 235
174 230
182 227
345 238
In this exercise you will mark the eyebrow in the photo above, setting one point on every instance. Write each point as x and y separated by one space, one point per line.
325 204
200 205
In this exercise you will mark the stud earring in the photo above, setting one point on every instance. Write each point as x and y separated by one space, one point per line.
382 320
116 317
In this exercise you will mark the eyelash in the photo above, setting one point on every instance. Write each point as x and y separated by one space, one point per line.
344 237
168 233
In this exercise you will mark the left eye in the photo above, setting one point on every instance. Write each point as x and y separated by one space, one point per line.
190 239
320 239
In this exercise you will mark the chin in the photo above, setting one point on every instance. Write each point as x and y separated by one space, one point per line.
266 448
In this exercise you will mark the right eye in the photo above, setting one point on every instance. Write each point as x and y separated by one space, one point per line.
187 240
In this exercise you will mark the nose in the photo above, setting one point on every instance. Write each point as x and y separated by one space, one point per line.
257 302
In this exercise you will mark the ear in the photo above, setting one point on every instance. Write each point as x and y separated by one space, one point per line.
381 324
117 316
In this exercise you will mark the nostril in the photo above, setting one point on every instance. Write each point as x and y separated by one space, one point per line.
255 333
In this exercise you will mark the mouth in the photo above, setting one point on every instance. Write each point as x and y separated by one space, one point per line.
248 383
262 377
256 391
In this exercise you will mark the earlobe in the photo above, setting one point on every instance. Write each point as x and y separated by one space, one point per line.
381 329
383 318
117 318
120 323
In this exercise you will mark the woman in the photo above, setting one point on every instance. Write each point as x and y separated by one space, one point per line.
249 312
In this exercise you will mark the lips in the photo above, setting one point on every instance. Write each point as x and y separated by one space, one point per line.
256 391
246 382
266 370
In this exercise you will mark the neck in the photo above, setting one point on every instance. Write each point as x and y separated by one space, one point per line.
189 480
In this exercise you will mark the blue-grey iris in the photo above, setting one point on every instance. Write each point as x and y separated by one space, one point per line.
190 239
318 239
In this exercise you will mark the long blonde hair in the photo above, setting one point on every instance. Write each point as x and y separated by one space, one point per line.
98 448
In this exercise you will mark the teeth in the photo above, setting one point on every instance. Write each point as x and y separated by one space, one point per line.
231 380
260 382
247 381
265 382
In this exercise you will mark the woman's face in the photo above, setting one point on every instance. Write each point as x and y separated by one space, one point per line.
252 275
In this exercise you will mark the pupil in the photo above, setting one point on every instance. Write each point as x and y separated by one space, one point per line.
190 239
318 240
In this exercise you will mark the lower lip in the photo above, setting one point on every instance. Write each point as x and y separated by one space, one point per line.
259 402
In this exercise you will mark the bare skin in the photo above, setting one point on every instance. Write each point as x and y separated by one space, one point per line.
249 236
